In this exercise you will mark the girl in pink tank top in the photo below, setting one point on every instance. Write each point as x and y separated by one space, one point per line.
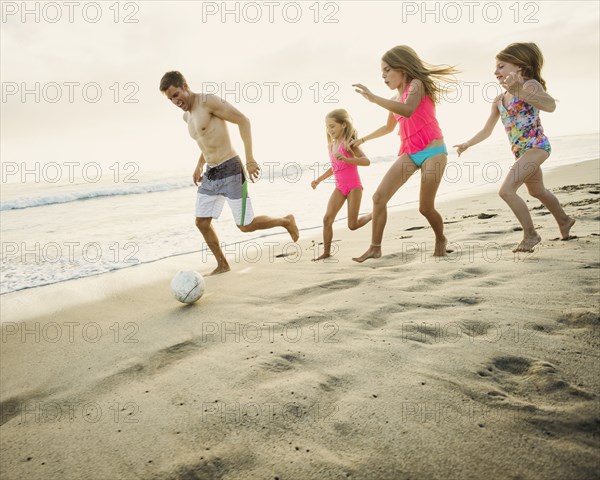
422 143
344 167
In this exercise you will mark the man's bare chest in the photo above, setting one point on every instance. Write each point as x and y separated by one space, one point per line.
199 124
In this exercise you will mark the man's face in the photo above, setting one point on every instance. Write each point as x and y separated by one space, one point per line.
180 97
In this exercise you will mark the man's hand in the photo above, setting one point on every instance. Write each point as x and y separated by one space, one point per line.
340 157
197 176
253 169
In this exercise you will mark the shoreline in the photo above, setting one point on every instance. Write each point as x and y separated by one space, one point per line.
102 285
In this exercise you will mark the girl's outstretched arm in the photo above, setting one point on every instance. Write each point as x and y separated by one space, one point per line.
531 92
325 176
380 132
415 94
485 132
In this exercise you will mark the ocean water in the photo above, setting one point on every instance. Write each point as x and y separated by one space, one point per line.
56 227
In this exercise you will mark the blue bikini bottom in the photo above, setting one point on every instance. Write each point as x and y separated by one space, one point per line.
419 157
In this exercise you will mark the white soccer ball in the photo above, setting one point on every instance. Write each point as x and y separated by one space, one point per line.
187 286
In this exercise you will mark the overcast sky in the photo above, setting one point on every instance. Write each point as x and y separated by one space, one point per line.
80 82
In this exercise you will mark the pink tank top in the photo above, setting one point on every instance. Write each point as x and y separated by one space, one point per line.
418 130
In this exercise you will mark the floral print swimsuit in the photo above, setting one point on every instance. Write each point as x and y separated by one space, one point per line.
523 127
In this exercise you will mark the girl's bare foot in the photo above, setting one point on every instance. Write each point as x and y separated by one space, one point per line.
292 228
322 257
374 251
528 243
565 228
440 247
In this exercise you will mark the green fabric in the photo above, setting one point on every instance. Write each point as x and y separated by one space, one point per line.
244 195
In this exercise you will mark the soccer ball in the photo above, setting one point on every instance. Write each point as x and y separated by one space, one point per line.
187 286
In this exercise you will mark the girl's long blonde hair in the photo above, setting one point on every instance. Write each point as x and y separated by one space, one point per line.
404 58
528 56
341 116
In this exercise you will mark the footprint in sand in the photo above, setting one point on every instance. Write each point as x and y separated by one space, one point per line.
299 295
332 383
490 232
532 380
468 273
591 265
477 328
376 322
426 333
213 467
12 407
468 300
581 203
580 317
282 363
157 361
539 396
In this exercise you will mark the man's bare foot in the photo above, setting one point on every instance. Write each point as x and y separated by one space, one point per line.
322 257
565 228
373 252
527 244
292 228
440 247
220 269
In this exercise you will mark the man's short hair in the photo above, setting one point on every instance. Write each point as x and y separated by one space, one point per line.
174 78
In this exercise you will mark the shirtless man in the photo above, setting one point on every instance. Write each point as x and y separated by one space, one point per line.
224 178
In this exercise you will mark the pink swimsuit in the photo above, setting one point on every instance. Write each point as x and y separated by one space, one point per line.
346 174
418 130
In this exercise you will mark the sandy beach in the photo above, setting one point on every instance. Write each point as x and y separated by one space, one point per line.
480 365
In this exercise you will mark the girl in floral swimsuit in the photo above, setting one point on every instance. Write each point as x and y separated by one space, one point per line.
518 69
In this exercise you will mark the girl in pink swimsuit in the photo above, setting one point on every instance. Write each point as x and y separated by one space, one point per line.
518 69
422 147
344 166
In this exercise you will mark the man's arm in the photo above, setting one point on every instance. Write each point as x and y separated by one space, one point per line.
220 108
199 168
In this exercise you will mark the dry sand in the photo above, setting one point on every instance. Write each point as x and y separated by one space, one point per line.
482 365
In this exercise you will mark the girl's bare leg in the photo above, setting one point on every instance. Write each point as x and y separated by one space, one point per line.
395 177
336 202
354 198
536 188
522 170
432 171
